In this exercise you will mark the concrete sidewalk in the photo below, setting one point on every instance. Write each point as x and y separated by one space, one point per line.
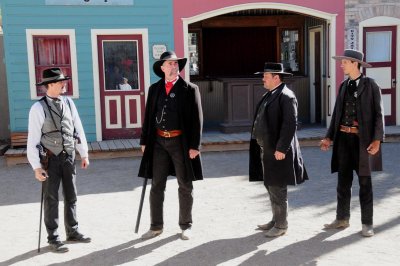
226 211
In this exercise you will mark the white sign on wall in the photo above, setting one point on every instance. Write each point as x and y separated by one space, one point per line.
352 38
158 49
90 2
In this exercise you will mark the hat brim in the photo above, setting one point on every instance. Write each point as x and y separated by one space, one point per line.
274 72
340 57
52 81
157 65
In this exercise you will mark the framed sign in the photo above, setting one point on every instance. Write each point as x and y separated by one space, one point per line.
351 38
158 49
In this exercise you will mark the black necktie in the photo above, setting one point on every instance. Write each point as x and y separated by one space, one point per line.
352 86
57 104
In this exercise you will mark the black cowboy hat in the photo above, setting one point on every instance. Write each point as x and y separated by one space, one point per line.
274 68
352 55
51 75
168 55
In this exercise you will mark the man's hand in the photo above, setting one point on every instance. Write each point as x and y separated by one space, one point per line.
325 143
193 153
373 148
84 163
40 174
279 155
143 147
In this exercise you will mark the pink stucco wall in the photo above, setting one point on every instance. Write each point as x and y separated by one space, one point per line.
190 8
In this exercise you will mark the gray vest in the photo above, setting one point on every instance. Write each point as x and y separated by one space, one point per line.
58 128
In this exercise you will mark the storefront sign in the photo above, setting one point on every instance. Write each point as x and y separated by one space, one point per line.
90 2
158 49
351 38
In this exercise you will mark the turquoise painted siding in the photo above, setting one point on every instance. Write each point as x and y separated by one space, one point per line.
19 15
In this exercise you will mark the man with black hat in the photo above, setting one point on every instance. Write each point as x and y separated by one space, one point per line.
170 141
54 127
275 156
356 129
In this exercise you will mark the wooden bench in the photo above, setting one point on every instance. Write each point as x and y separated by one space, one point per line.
17 153
19 139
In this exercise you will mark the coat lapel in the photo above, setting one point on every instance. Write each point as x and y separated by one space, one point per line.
361 86
341 95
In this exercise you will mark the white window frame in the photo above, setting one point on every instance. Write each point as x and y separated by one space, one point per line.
30 33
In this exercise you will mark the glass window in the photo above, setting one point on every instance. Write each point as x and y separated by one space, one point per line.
290 54
379 46
121 65
193 54
52 51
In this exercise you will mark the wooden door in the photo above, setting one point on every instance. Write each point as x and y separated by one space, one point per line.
121 85
380 52
316 94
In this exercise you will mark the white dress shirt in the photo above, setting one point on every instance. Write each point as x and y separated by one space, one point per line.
36 120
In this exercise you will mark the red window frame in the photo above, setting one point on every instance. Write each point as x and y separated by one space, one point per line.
52 51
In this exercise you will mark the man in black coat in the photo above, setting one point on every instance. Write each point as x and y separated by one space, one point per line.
356 128
170 141
275 156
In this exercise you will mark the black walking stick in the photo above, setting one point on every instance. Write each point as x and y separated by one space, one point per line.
40 219
44 160
141 205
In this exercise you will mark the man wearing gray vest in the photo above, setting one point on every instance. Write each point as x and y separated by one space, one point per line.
55 127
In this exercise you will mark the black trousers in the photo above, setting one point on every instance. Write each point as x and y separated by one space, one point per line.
165 151
278 196
61 170
348 152
279 204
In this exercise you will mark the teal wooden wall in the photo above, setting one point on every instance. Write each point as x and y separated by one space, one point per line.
19 15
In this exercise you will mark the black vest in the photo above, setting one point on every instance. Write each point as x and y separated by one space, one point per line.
349 114
167 117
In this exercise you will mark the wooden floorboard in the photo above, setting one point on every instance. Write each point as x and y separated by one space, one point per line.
111 145
104 146
119 145
95 146
127 144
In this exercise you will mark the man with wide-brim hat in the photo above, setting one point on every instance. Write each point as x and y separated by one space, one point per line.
354 56
274 68
170 141
52 75
56 130
275 156
168 56
356 129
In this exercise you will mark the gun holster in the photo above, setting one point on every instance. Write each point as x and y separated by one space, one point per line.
44 155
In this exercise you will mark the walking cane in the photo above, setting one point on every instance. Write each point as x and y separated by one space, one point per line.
141 205
40 219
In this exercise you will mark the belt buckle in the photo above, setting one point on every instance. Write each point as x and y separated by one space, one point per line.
167 134
348 129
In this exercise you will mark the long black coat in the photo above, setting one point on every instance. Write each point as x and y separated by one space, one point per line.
191 122
281 121
370 124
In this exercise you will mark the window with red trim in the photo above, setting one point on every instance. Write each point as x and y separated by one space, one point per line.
52 51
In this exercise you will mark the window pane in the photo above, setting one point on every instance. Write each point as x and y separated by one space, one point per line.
193 54
121 65
290 50
379 46
52 51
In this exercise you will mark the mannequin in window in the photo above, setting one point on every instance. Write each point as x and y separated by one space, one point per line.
124 85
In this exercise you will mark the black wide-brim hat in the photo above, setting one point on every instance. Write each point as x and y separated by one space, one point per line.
168 55
352 55
274 68
51 75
